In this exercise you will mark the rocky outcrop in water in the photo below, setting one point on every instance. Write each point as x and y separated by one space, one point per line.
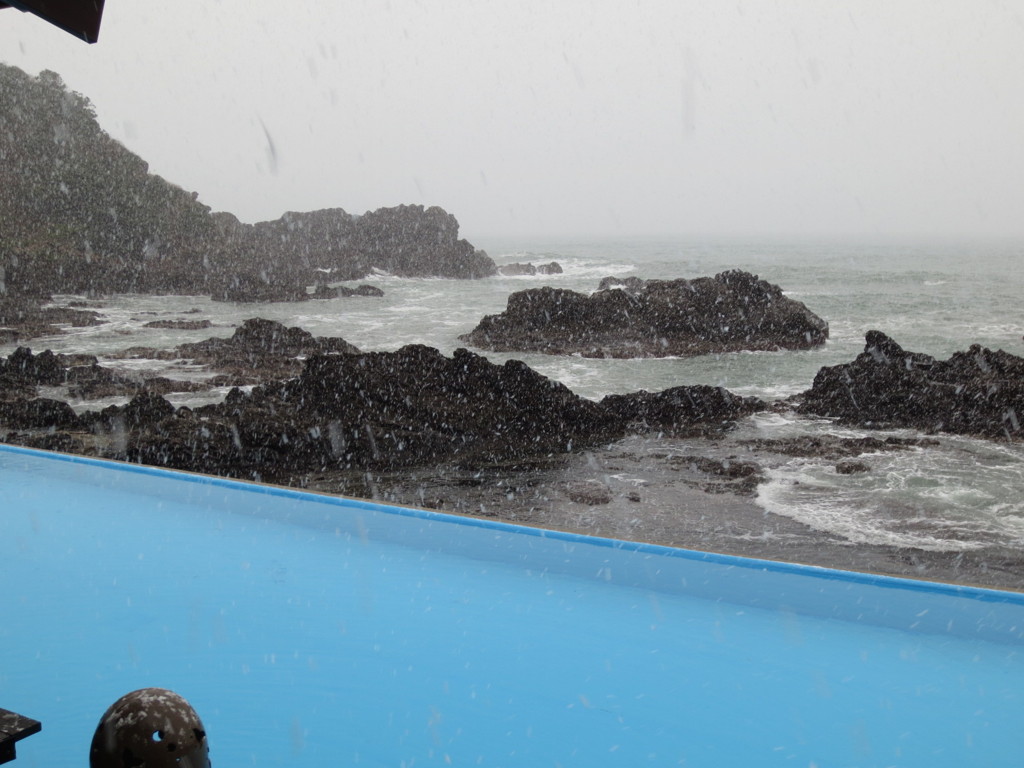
413 241
27 317
22 373
276 260
273 285
38 413
258 351
730 312
179 325
371 411
264 348
344 292
977 392
681 411
378 410
520 269
833 447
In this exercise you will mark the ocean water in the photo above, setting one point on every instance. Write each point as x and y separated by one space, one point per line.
936 298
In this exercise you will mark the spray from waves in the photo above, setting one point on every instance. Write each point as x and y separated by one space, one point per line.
572 267
945 498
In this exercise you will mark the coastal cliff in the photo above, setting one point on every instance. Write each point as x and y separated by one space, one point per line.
83 214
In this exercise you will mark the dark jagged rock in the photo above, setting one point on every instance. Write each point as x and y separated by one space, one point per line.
720 475
850 467
378 410
632 284
362 290
276 260
262 349
244 288
383 411
257 351
143 410
416 405
94 381
179 325
730 312
47 441
977 392
344 292
183 441
23 372
88 381
16 388
833 448
258 337
413 241
81 213
24 318
681 410
367 411
44 368
270 337
517 269
38 413
588 492
324 292
149 430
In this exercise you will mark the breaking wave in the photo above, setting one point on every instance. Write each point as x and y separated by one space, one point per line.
950 497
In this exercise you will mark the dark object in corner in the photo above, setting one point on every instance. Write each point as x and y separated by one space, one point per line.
79 17
151 727
14 728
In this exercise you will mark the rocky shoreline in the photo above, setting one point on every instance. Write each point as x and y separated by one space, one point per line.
321 403
464 435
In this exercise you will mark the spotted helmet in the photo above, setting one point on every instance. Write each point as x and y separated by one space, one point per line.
150 728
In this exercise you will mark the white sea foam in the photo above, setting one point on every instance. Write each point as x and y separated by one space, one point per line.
950 497
859 518
572 267
629 480
1008 330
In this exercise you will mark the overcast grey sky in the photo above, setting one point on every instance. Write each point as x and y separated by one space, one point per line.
571 117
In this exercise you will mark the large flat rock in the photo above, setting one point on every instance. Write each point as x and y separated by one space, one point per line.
730 312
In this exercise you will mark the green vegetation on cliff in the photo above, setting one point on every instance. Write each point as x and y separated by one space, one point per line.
80 212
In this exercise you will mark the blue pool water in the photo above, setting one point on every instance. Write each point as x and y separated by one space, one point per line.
315 631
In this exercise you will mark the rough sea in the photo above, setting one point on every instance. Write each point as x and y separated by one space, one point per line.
962 496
